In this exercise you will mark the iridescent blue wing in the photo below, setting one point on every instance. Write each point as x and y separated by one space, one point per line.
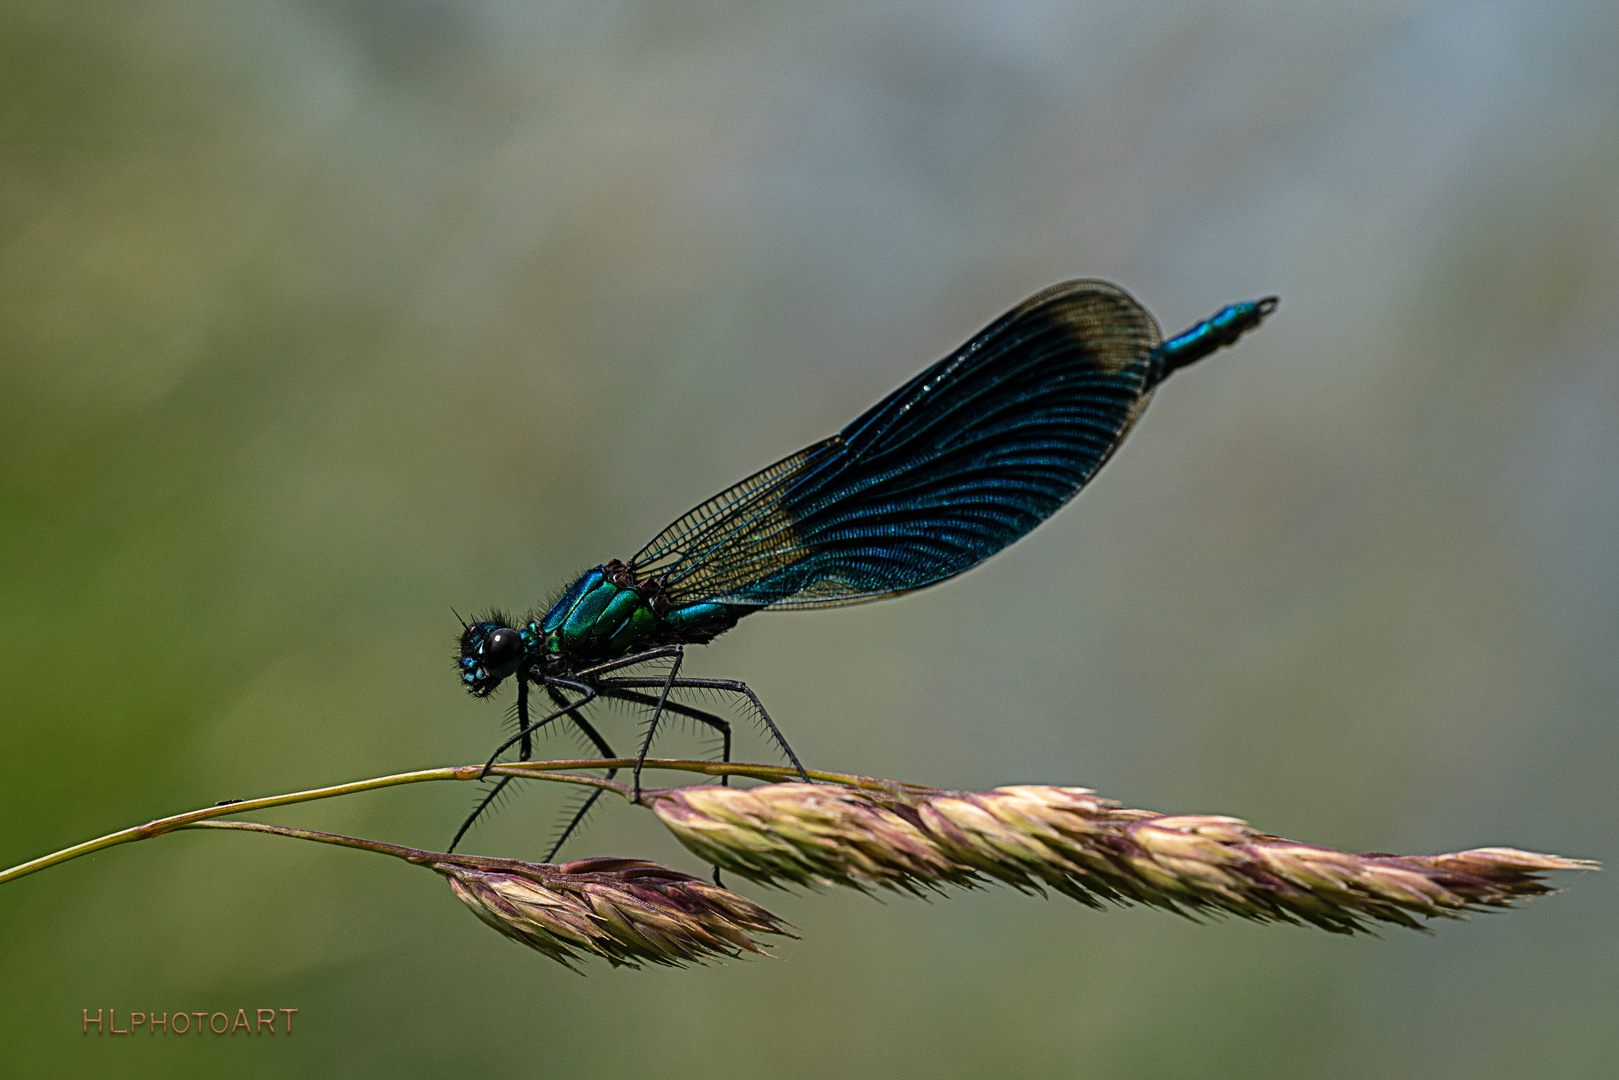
944 472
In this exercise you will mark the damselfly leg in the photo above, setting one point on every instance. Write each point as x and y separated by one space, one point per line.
524 741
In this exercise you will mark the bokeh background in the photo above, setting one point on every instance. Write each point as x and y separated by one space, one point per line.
318 319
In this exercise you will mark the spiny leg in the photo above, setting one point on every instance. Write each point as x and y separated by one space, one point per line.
606 751
483 804
736 686
675 652
657 714
731 686
616 688
524 736
527 728
526 747
612 689
494 792
662 652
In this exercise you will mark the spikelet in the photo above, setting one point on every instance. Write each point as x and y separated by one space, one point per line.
1071 841
624 910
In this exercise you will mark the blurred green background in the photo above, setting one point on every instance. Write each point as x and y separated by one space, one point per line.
318 319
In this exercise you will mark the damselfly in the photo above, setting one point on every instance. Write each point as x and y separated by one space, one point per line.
938 476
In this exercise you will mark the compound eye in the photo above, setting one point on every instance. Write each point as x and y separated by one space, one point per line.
490 652
502 647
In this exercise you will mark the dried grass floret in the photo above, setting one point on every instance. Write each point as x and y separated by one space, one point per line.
1069 840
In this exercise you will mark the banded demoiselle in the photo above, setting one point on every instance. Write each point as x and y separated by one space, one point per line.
938 476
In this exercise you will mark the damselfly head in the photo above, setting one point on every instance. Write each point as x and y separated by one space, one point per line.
490 651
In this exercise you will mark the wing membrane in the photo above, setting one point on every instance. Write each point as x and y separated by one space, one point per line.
947 470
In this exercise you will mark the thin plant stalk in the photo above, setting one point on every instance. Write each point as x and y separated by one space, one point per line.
538 770
863 832
626 911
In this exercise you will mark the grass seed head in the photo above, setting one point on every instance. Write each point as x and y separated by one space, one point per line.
627 911
1067 839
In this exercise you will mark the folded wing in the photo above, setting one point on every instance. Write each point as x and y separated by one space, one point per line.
944 472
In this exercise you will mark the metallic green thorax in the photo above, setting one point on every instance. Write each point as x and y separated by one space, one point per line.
607 614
